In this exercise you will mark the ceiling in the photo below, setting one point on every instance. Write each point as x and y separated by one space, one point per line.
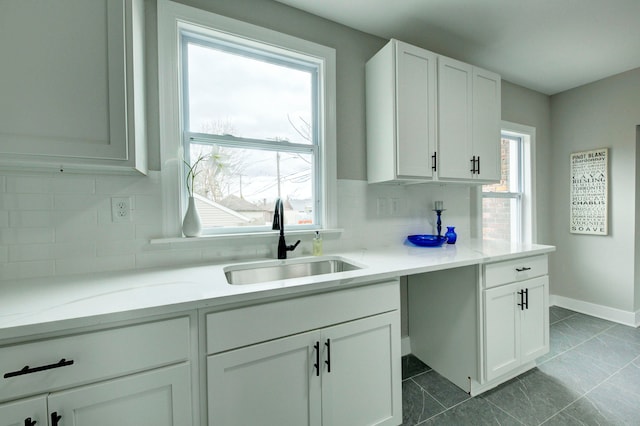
545 45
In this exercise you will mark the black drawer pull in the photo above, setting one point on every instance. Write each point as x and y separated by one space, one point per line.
524 268
27 370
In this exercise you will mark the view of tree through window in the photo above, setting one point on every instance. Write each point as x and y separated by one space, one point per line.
251 116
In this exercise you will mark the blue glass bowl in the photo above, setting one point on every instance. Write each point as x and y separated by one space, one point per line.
427 240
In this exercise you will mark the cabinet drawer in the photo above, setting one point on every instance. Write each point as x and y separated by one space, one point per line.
515 270
94 356
253 324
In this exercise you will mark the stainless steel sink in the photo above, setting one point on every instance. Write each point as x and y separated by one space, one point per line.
263 271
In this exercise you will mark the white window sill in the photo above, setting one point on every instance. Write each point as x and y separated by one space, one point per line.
254 236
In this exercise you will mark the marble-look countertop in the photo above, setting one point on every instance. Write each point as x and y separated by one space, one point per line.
36 306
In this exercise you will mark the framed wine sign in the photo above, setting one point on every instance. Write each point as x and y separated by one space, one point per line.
589 192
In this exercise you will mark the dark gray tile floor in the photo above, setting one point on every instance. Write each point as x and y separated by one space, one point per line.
591 376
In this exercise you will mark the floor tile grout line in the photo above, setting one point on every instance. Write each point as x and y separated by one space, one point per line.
581 343
504 411
434 398
424 391
590 390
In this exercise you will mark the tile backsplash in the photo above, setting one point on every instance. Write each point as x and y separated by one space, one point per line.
60 224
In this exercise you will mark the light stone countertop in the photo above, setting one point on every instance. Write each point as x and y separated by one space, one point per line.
36 306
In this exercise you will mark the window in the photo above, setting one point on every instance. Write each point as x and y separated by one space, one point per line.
255 112
507 205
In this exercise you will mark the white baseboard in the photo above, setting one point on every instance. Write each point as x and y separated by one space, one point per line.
605 312
405 345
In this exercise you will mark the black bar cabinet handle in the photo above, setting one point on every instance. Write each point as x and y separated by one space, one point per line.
521 304
28 370
524 268
317 364
55 418
478 169
29 422
526 298
328 361
473 165
434 161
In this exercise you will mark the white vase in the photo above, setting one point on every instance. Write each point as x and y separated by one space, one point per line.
191 225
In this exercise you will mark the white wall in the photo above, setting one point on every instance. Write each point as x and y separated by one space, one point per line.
597 269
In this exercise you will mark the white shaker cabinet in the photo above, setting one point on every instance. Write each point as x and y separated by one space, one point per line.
430 118
516 325
159 398
401 114
72 85
469 111
126 376
25 412
335 376
313 373
481 326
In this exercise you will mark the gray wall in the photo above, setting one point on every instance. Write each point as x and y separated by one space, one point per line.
353 49
597 269
524 106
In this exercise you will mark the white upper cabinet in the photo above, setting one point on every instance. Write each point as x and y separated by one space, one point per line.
401 114
72 84
455 118
430 117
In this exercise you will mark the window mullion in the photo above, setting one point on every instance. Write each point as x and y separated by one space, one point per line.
232 141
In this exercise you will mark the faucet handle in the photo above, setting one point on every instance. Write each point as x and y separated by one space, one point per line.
293 247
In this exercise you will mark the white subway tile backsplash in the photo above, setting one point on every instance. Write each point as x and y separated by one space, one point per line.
30 218
29 184
95 264
171 257
20 270
26 235
13 201
78 202
126 185
119 247
73 185
68 228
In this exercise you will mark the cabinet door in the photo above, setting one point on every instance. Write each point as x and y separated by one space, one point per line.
501 330
272 383
361 381
25 412
454 119
534 324
486 124
415 111
66 102
160 397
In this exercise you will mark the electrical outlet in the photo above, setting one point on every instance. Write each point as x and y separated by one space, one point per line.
382 207
121 209
395 207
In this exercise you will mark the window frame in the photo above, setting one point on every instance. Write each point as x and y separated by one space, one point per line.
525 222
173 19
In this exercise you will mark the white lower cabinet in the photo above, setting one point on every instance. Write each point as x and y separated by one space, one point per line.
25 412
327 359
346 374
134 375
516 325
159 398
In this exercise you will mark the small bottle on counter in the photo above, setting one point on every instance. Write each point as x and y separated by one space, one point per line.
317 245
